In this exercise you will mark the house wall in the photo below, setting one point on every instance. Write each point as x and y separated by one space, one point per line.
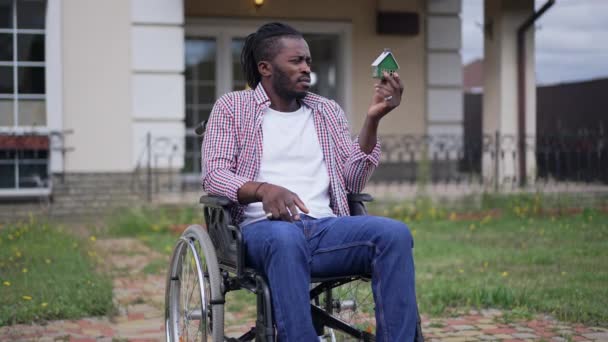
366 46
96 63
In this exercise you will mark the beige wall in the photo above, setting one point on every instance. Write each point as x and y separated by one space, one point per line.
366 45
96 84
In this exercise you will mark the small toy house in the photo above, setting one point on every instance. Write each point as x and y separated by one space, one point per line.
385 62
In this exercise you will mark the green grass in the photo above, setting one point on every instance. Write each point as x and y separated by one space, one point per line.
523 261
157 227
46 273
150 220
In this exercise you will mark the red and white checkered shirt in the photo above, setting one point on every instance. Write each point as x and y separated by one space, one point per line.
232 147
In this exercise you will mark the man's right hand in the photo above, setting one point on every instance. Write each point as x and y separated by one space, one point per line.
280 202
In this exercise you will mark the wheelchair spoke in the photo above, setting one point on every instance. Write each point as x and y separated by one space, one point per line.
353 303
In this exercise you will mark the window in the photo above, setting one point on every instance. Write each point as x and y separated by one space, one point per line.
213 67
200 94
23 157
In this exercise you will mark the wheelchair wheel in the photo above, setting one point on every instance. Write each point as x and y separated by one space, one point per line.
352 303
194 309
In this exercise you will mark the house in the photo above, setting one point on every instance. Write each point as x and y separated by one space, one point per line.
386 62
116 87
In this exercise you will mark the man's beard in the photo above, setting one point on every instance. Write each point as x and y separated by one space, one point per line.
281 84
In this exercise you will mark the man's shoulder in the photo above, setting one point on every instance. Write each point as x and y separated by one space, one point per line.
316 100
232 98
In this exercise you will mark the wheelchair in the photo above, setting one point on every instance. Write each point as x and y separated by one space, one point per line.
207 263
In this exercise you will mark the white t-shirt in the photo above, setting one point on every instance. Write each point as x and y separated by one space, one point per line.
292 158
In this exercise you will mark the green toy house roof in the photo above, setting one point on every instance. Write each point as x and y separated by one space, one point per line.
386 60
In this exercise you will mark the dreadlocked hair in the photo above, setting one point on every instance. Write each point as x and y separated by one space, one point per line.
263 45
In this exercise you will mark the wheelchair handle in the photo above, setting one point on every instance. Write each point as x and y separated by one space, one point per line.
200 128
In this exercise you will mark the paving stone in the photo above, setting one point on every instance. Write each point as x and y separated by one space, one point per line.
463 327
486 337
486 326
469 333
454 339
524 335
502 336
524 329
598 336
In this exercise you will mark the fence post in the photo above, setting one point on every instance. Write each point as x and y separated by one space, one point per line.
149 168
496 159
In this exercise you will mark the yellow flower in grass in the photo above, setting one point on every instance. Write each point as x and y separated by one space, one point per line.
93 238
24 270
44 305
505 274
18 254
26 297
6 283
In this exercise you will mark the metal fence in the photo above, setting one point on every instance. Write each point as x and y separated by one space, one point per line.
489 163
493 159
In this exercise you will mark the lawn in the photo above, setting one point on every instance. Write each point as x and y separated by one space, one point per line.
46 273
522 254
521 257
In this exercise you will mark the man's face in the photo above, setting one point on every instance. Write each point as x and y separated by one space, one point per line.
291 69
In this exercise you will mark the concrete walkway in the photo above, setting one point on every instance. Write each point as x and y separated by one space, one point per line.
139 298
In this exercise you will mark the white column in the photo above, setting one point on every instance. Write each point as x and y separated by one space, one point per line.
54 81
157 36
502 19
444 101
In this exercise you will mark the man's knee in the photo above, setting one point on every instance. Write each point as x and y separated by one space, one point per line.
397 232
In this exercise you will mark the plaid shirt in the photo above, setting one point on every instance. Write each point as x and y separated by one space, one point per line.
232 147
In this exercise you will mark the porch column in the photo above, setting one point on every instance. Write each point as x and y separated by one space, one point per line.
157 82
502 18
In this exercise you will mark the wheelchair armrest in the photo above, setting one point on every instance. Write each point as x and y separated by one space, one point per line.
360 198
216 201
356 203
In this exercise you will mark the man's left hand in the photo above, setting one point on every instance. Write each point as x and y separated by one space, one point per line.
387 96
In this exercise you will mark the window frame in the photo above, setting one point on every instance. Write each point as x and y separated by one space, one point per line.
27 130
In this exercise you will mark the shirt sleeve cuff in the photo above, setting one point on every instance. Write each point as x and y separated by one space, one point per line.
232 187
373 157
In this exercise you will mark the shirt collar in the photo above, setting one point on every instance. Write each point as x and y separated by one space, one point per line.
262 98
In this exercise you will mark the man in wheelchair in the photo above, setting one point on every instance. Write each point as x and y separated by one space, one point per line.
285 157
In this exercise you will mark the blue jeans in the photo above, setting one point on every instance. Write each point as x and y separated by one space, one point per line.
288 254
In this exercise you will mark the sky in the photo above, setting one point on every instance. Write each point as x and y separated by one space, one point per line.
571 39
